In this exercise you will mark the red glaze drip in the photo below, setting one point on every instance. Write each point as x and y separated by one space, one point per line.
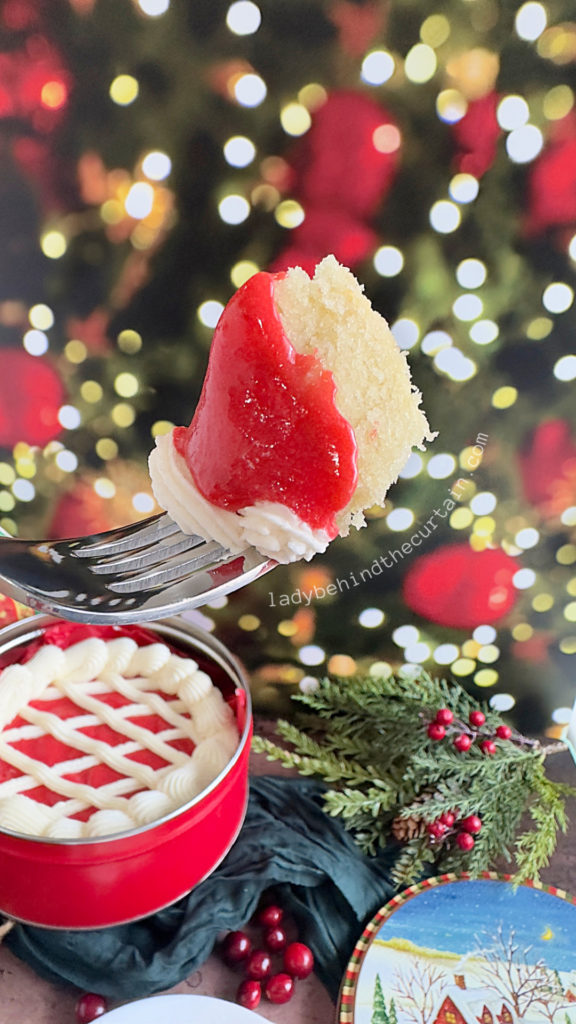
266 427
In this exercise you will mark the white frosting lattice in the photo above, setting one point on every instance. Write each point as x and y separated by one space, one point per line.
152 681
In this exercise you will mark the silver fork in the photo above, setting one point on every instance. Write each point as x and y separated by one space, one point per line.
148 570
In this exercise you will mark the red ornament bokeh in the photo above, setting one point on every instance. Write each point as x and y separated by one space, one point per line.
31 394
551 182
547 466
340 171
461 588
476 136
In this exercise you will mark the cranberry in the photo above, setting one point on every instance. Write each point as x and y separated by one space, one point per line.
436 731
236 947
488 747
504 732
477 718
447 818
89 1007
463 742
270 916
436 829
471 824
298 960
444 716
249 993
279 988
258 965
465 841
275 939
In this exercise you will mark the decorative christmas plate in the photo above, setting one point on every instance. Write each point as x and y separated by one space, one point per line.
177 1009
452 950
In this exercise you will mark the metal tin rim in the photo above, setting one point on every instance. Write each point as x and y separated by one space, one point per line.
26 630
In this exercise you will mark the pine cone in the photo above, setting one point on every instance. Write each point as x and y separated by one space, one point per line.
405 829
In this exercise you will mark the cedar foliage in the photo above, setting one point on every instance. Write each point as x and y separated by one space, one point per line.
366 738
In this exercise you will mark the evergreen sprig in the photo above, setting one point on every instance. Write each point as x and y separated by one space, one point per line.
388 780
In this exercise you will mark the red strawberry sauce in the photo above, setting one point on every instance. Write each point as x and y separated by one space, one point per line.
266 427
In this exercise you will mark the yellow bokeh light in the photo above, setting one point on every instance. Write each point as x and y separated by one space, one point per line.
26 468
123 414
543 602
161 427
7 501
571 586
463 666
91 391
53 244
504 397
566 554
558 43
106 448
570 611
242 272
470 648
451 105
124 90
568 645
295 119
539 328
289 213
266 196
129 341
461 518
420 63
7 474
41 317
485 526
112 211
287 627
488 653
249 623
126 385
75 351
558 102
435 30
486 677
312 95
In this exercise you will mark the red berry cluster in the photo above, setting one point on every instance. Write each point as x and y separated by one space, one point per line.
449 825
466 734
257 964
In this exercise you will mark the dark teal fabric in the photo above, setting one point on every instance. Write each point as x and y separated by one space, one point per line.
288 844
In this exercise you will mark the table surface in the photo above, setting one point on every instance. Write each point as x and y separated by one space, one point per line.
27 999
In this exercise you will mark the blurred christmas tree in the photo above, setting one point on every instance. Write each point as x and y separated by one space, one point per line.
154 155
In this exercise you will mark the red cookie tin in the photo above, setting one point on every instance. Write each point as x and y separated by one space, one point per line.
101 881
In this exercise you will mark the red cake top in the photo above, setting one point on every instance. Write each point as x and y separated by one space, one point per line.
87 742
269 414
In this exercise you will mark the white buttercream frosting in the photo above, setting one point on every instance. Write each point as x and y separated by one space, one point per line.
152 681
270 527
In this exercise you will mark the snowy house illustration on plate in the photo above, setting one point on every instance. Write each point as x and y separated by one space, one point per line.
457 1004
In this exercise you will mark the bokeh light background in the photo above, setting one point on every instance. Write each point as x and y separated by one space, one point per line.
154 155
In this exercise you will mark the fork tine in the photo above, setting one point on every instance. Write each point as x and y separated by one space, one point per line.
209 554
154 555
150 531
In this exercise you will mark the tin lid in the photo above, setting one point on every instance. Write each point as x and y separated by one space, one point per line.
458 949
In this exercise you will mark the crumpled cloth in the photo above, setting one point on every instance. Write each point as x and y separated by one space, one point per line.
287 843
